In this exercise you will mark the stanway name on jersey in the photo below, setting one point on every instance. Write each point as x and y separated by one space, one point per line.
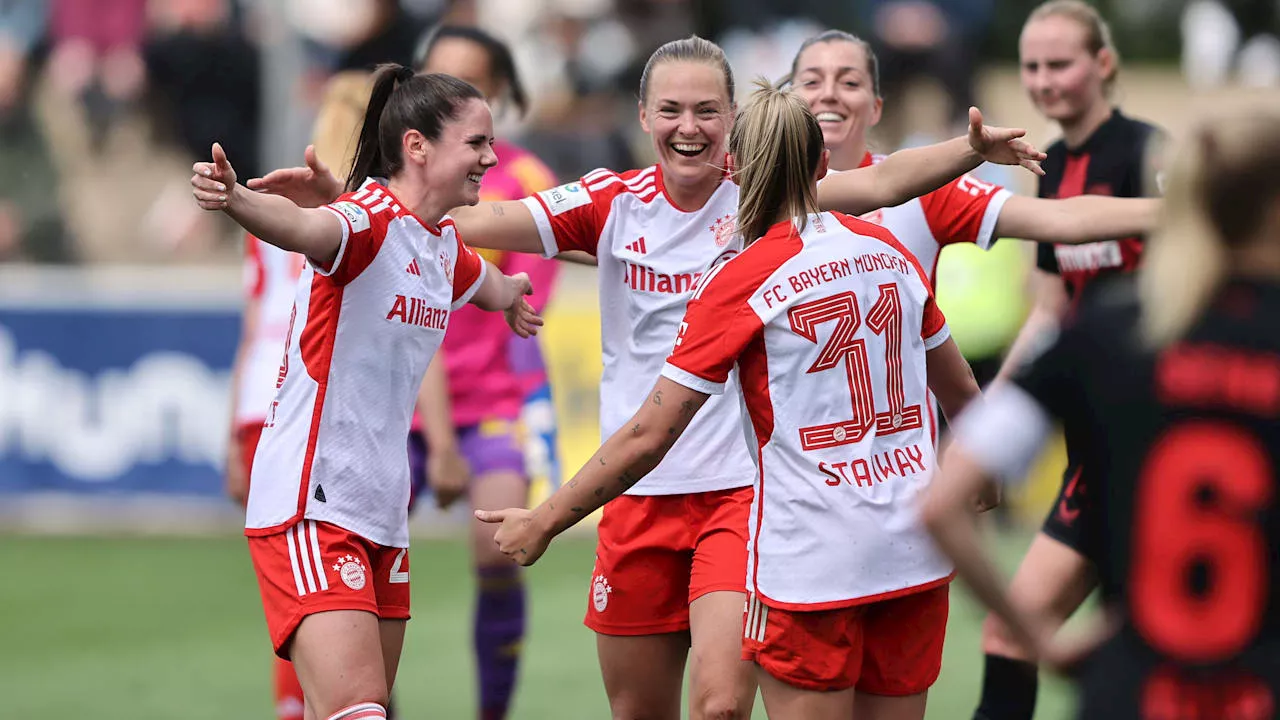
900 462
416 311
566 197
1092 256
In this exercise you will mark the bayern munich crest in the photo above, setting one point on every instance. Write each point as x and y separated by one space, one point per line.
723 229
447 267
351 570
600 590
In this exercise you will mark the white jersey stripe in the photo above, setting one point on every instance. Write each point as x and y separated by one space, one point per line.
316 557
606 182
595 175
305 557
639 181
293 562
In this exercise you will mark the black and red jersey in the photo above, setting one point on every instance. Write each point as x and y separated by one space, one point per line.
1116 160
1182 448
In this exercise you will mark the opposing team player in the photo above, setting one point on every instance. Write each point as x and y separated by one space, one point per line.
327 508
1178 388
496 380
838 76
836 338
668 576
1069 66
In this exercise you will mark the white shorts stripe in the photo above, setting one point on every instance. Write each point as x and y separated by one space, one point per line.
764 619
304 557
293 563
751 616
316 557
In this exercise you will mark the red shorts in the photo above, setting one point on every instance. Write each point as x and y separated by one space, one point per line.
892 647
316 566
658 553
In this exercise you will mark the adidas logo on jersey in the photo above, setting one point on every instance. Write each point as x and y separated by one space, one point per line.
637 247
416 311
413 269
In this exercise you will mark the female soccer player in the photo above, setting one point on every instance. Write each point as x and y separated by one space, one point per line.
668 576
838 76
327 511
494 375
1180 395
1069 66
833 329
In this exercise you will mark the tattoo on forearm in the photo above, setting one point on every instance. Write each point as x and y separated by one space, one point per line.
497 209
635 429
657 397
599 491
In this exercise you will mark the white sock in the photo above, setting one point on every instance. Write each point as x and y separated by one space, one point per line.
362 711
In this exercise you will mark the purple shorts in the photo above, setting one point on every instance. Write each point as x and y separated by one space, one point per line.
488 446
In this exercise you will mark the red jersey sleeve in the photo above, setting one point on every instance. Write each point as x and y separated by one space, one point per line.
571 216
468 273
365 216
255 274
964 210
718 325
933 328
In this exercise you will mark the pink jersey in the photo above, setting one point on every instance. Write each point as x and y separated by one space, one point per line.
483 380
363 332
828 330
963 210
271 281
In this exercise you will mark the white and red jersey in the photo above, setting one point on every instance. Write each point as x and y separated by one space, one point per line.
651 255
270 279
828 330
363 332
964 210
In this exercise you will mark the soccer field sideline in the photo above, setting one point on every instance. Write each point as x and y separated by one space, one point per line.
139 628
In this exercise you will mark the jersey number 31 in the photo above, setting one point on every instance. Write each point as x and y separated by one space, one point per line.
845 349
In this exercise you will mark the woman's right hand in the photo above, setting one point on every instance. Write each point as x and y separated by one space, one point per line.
213 182
312 186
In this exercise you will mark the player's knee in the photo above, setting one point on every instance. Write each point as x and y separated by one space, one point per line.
997 640
721 707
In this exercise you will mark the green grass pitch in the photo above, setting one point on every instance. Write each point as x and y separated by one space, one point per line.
141 628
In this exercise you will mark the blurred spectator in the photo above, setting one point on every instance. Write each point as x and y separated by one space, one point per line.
96 56
938 39
1225 37
31 226
204 78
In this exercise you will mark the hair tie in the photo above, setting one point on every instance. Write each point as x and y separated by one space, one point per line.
404 74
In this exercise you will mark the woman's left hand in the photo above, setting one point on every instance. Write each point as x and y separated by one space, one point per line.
1001 145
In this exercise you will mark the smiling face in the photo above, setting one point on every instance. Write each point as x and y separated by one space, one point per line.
454 163
835 79
1063 78
688 113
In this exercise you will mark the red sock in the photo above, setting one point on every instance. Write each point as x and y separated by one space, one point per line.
289 704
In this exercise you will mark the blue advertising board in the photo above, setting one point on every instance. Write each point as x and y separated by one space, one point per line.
115 397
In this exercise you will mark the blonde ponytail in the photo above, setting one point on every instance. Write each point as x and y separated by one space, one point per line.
1220 190
1184 261
776 145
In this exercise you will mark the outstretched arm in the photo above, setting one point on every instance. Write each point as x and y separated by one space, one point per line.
313 232
504 225
1081 219
626 457
911 173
